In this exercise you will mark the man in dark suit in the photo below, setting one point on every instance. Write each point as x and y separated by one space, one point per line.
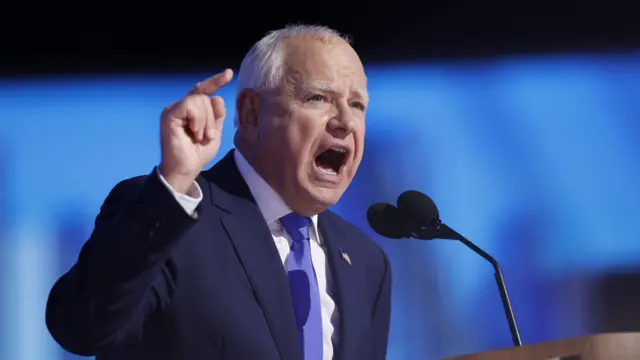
241 261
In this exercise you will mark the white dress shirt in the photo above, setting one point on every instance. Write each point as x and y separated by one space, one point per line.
273 208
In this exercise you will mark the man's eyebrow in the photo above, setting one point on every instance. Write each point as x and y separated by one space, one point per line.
324 87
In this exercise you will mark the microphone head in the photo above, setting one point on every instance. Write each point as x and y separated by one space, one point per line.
387 220
419 207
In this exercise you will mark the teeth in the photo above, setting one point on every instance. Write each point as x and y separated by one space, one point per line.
340 150
327 171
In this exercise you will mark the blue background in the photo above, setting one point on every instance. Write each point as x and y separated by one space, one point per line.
536 159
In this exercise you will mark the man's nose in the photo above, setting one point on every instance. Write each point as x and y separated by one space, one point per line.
342 124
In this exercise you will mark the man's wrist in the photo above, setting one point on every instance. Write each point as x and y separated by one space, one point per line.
181 184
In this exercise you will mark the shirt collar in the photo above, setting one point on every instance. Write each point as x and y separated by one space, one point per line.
269 201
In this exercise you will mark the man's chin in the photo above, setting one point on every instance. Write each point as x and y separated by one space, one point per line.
325 196
312 198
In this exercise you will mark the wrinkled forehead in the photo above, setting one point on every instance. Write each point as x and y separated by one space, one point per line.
323 65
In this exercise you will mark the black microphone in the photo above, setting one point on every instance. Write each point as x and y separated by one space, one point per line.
386 220
417 217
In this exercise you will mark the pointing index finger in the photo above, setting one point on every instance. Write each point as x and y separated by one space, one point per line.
211 85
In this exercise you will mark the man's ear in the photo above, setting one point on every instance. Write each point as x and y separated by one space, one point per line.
248 108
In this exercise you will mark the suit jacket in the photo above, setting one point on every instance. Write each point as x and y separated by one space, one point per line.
153 282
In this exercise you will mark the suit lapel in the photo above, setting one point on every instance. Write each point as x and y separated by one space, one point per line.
348 280
258 255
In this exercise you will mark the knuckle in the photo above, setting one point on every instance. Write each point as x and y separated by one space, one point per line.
198 88
194 100
202 99
166 111
192 104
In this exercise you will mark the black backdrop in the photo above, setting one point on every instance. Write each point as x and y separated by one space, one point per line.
129 36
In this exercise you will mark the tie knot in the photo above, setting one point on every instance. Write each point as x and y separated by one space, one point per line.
297 226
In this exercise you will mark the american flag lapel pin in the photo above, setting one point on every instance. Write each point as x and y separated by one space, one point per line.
345 257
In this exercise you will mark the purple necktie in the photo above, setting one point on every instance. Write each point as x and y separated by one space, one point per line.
304 286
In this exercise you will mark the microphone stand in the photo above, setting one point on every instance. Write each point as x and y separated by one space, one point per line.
442 231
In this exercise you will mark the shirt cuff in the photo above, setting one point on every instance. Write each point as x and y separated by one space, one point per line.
188 202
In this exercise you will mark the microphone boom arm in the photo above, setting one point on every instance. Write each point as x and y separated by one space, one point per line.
442 231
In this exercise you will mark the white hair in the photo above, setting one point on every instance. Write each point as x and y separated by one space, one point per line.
262 67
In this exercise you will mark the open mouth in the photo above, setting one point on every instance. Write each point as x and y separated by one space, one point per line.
331 160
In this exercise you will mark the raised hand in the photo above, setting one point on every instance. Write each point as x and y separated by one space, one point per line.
191 130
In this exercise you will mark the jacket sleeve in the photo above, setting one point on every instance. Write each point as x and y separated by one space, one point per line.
124 270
